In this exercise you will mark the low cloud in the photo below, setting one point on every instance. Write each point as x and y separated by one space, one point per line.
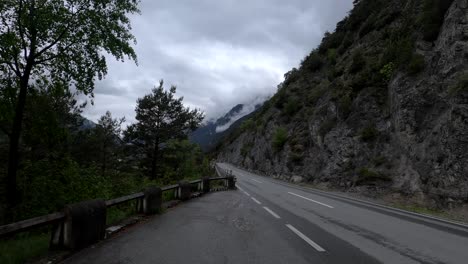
217 53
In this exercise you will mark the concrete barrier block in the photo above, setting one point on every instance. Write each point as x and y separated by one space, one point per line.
185 190
206 185
85 223
152 201
231 183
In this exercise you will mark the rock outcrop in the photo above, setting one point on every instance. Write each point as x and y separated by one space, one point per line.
380 106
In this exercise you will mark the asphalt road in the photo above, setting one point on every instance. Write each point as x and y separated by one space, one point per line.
268 221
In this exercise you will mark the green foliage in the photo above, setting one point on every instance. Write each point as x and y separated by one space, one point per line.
399 50
312 62
387 71
247 125
160 117
291 107
317 92
295 157
344 105
416 64
358 62
331 41
369 133
331 56
327 126
461 85
23 247
432 17
368 176
347 42
279 139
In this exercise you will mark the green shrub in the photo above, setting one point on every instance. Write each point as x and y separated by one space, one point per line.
312 62
416 64
367 176
387 71
344 105
331 41
327 126
248 124
369 133
461 85
347 42
279 138
358 62
331 56
23 247
432 17
291 107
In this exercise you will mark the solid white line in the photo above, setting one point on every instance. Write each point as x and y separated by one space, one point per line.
271 212
246 193
255 200
308 199
305 238
256 180
238 187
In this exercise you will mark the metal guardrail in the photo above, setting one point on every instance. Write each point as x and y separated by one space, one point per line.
58 217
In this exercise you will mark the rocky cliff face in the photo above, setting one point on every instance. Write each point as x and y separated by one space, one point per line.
380 106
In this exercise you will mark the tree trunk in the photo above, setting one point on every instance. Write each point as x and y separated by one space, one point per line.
154 167
13 155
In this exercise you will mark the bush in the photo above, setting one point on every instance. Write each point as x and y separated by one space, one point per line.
344 105
246 149
248 124
416 64
432 17
331 56
279 139
291 107
358 62
461 85
369 133
331 41
387 71
312 62
367 176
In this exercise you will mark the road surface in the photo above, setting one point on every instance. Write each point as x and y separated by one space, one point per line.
269 221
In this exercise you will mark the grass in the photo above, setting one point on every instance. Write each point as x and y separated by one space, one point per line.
23 247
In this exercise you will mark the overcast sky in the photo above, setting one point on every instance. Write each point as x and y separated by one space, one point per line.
217 52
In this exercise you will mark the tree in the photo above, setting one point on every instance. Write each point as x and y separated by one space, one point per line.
108 133
160 117
58 41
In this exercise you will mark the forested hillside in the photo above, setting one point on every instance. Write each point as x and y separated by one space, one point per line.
379 107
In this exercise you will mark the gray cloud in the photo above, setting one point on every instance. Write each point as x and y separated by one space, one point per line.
217 53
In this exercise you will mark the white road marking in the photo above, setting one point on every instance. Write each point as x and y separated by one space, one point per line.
255 200
305 238
271 212
308 199
246 193
256 180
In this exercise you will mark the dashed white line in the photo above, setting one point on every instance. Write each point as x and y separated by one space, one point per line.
271 212
308 199
255 200
246 193
256 180
305 238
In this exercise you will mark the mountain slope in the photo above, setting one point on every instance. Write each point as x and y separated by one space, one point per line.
380 107
209 135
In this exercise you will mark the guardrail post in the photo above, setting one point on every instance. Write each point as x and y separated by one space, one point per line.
85 223
206 185
152 201
184 190
231 184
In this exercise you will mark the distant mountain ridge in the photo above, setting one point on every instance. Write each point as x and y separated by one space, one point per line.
210 134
